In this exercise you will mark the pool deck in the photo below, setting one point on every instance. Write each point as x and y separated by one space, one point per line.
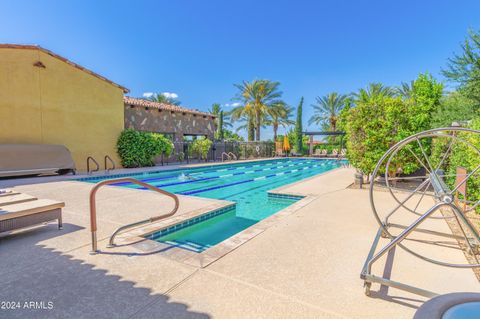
305 265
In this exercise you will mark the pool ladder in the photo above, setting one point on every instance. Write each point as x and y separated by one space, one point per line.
230 156
93 209
106 159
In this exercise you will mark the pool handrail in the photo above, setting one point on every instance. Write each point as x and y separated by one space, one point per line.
90 158
107 170
93 208
226 154
232 155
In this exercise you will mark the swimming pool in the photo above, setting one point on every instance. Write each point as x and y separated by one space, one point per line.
246 184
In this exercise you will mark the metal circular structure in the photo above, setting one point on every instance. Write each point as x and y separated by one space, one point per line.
417 179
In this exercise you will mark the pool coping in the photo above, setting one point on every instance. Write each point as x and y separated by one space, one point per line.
137 237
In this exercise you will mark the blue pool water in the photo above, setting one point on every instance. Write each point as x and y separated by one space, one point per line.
246 184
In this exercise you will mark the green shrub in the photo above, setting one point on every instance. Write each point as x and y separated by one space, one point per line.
201 147
138 149
467 157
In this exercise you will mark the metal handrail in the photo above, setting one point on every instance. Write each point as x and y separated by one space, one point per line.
232 155
107 170
88 165
93 208
228 156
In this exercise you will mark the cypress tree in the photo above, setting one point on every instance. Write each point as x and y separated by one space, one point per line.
220 133
299 128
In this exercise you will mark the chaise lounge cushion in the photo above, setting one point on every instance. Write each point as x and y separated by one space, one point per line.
29 208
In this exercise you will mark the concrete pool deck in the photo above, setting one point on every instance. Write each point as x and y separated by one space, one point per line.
306 265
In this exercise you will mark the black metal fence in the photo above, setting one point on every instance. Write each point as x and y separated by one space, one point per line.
243 150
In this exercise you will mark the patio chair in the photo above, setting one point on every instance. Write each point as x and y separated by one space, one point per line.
343 153
20 210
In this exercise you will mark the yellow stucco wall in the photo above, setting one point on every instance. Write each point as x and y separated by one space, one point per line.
58 104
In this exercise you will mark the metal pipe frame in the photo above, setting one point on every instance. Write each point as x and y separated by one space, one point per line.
93 208
88 165
107 170
225 154
231 155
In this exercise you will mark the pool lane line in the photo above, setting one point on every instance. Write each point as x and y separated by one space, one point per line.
223 176
196 180
154 179
230 184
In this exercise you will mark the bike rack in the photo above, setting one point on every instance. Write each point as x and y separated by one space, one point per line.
93 209
107 170
88 165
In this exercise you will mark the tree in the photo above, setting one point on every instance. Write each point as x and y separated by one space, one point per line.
231 136
257 97
464 68
220 131
326 110
405 90
455 107
215 110
380 121
162 98
373 92
279 115
425 99
299 128
244 114
372 129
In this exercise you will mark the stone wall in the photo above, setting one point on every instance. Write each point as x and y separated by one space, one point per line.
168 122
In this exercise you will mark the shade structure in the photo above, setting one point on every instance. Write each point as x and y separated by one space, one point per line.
286 144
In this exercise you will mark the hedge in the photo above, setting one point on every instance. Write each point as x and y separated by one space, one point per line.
139 149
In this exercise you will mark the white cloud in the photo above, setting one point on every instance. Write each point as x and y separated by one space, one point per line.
232 104
170 95
148 94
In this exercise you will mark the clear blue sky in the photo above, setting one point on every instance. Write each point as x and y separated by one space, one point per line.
198 49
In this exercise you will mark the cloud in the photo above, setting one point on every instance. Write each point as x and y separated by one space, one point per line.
148 94
232 104
170 95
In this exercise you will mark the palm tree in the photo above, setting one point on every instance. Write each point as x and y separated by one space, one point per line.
405 90
215 110
162 98
372 92
326 110
257 97
279 114
244 113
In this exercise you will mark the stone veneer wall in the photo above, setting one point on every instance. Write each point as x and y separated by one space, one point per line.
168 122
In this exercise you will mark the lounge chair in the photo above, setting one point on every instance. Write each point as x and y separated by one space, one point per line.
343 153
21 210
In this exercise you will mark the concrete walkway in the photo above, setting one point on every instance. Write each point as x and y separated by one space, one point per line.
305 266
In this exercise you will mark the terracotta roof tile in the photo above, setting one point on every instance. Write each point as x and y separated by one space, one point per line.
162 106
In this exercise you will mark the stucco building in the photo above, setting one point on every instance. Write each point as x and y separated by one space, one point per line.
47 99
172 120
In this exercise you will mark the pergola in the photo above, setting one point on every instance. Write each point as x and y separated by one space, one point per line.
323 133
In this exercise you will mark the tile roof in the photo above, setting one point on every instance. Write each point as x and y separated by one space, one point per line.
162 106
37 47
